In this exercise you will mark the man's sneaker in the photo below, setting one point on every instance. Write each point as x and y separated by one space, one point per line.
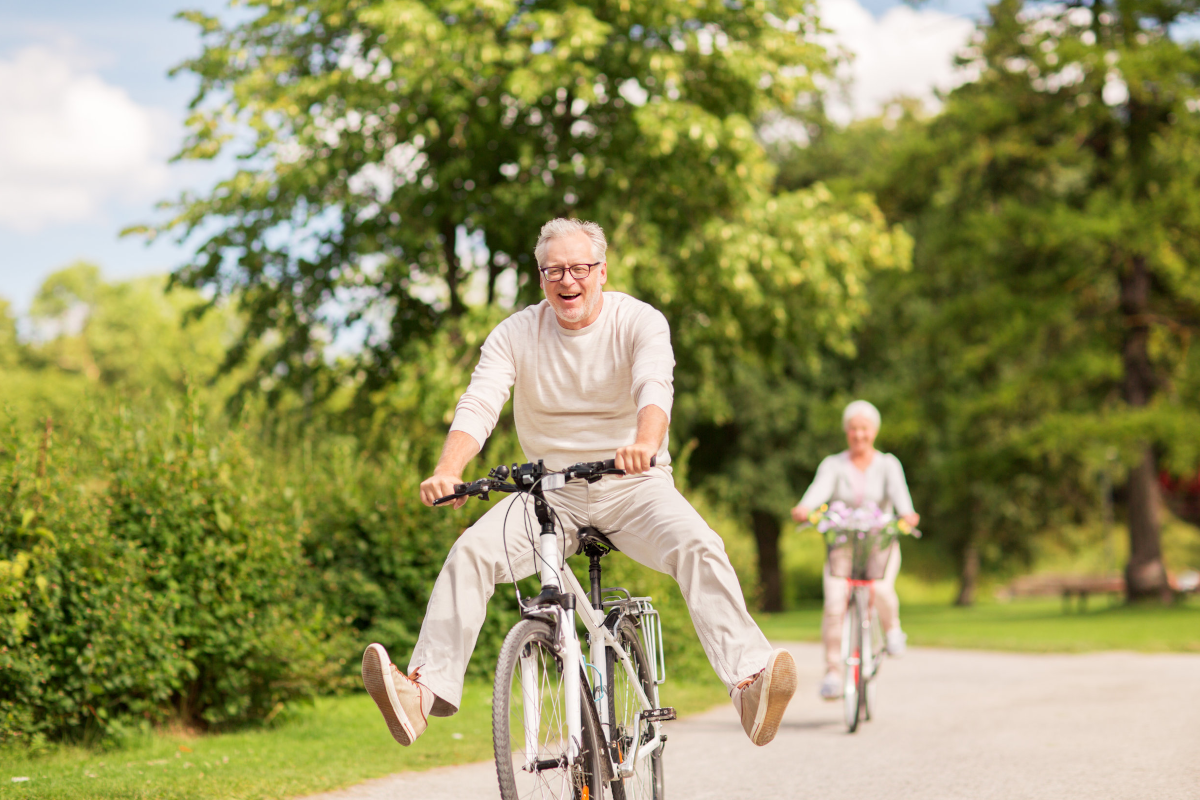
762 698
831 686
897 642
405 703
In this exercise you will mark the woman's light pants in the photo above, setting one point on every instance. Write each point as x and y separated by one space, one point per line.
837 593
645 517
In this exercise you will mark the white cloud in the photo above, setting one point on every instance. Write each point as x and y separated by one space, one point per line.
906 52
70 143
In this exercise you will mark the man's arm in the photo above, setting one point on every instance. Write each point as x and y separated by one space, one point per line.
458 451
651 428
475 415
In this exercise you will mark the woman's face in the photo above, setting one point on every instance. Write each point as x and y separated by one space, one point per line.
860 434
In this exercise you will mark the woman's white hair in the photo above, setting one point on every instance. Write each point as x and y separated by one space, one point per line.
860 408
557 228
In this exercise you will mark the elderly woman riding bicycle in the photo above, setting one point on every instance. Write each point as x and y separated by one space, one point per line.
859 476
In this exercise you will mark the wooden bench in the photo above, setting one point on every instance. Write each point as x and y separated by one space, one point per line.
1078 587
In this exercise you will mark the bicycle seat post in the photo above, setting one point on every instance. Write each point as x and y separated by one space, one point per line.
594 574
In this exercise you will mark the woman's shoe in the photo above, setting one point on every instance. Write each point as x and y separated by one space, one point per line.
831 686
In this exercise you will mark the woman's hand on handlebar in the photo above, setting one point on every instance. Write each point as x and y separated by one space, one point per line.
635 458
440 486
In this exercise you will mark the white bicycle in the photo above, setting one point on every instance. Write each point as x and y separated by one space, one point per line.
566 726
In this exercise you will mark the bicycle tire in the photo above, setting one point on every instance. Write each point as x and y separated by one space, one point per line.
852 664
866 669
878 648
550 776
624 708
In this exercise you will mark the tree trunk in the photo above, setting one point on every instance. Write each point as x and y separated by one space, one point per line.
770 574
449 240
969 576
1145 575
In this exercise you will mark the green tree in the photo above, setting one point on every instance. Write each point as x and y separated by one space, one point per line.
767 305
1053 204
400 157
9 346
130 334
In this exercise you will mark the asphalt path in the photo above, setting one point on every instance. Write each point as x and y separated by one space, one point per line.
948 724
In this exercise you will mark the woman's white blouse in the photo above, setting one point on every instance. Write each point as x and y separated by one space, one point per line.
882 483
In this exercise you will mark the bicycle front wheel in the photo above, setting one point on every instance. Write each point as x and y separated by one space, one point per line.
876 658
529 723
852 652
629 729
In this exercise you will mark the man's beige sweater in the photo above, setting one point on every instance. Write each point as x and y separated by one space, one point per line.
576 393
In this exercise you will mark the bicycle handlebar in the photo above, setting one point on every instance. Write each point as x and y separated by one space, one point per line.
525 477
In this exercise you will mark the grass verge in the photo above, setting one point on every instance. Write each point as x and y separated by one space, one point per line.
336 742
1036 626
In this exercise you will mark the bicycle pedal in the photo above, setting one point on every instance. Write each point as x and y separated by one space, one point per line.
659 714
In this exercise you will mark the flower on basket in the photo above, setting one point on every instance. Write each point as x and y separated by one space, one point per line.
840 523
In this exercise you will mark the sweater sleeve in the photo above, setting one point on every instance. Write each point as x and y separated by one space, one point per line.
823 484
653 363
481 404
897 488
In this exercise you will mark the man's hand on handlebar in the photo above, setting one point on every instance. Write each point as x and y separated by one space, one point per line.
440 486
636 458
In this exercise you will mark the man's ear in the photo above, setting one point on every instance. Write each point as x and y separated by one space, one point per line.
603 272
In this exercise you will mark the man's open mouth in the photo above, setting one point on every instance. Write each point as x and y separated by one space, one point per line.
571 296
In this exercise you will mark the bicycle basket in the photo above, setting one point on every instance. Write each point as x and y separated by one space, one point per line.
860 555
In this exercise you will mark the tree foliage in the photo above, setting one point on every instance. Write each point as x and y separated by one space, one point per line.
399 157
1048 317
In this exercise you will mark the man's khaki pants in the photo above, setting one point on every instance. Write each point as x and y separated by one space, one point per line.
645 517
837 594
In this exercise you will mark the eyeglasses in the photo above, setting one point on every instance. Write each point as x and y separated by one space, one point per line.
578 272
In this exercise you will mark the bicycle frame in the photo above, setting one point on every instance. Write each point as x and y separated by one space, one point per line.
558 584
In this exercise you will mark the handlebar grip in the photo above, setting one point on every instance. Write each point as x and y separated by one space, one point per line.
612 462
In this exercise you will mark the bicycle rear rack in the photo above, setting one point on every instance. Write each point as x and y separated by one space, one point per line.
650 623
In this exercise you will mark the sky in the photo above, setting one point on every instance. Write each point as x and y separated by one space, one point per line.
89 117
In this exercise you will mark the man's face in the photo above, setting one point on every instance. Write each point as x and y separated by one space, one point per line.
576 303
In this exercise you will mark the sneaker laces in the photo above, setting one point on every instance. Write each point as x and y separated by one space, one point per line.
743 684
415 679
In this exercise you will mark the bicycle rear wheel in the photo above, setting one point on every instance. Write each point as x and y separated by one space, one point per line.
852 664
529 723
629 729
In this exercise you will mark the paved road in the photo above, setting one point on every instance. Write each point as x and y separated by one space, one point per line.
950 724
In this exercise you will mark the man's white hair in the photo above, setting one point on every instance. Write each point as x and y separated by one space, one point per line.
557 228
860 408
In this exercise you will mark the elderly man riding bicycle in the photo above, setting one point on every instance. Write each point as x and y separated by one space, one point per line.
592 376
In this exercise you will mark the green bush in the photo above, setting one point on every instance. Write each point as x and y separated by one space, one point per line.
82 638
146 570
224 560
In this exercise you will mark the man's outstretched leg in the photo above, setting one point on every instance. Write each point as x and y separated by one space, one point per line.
479 560
652 523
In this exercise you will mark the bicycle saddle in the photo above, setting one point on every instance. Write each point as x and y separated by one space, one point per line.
593 542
